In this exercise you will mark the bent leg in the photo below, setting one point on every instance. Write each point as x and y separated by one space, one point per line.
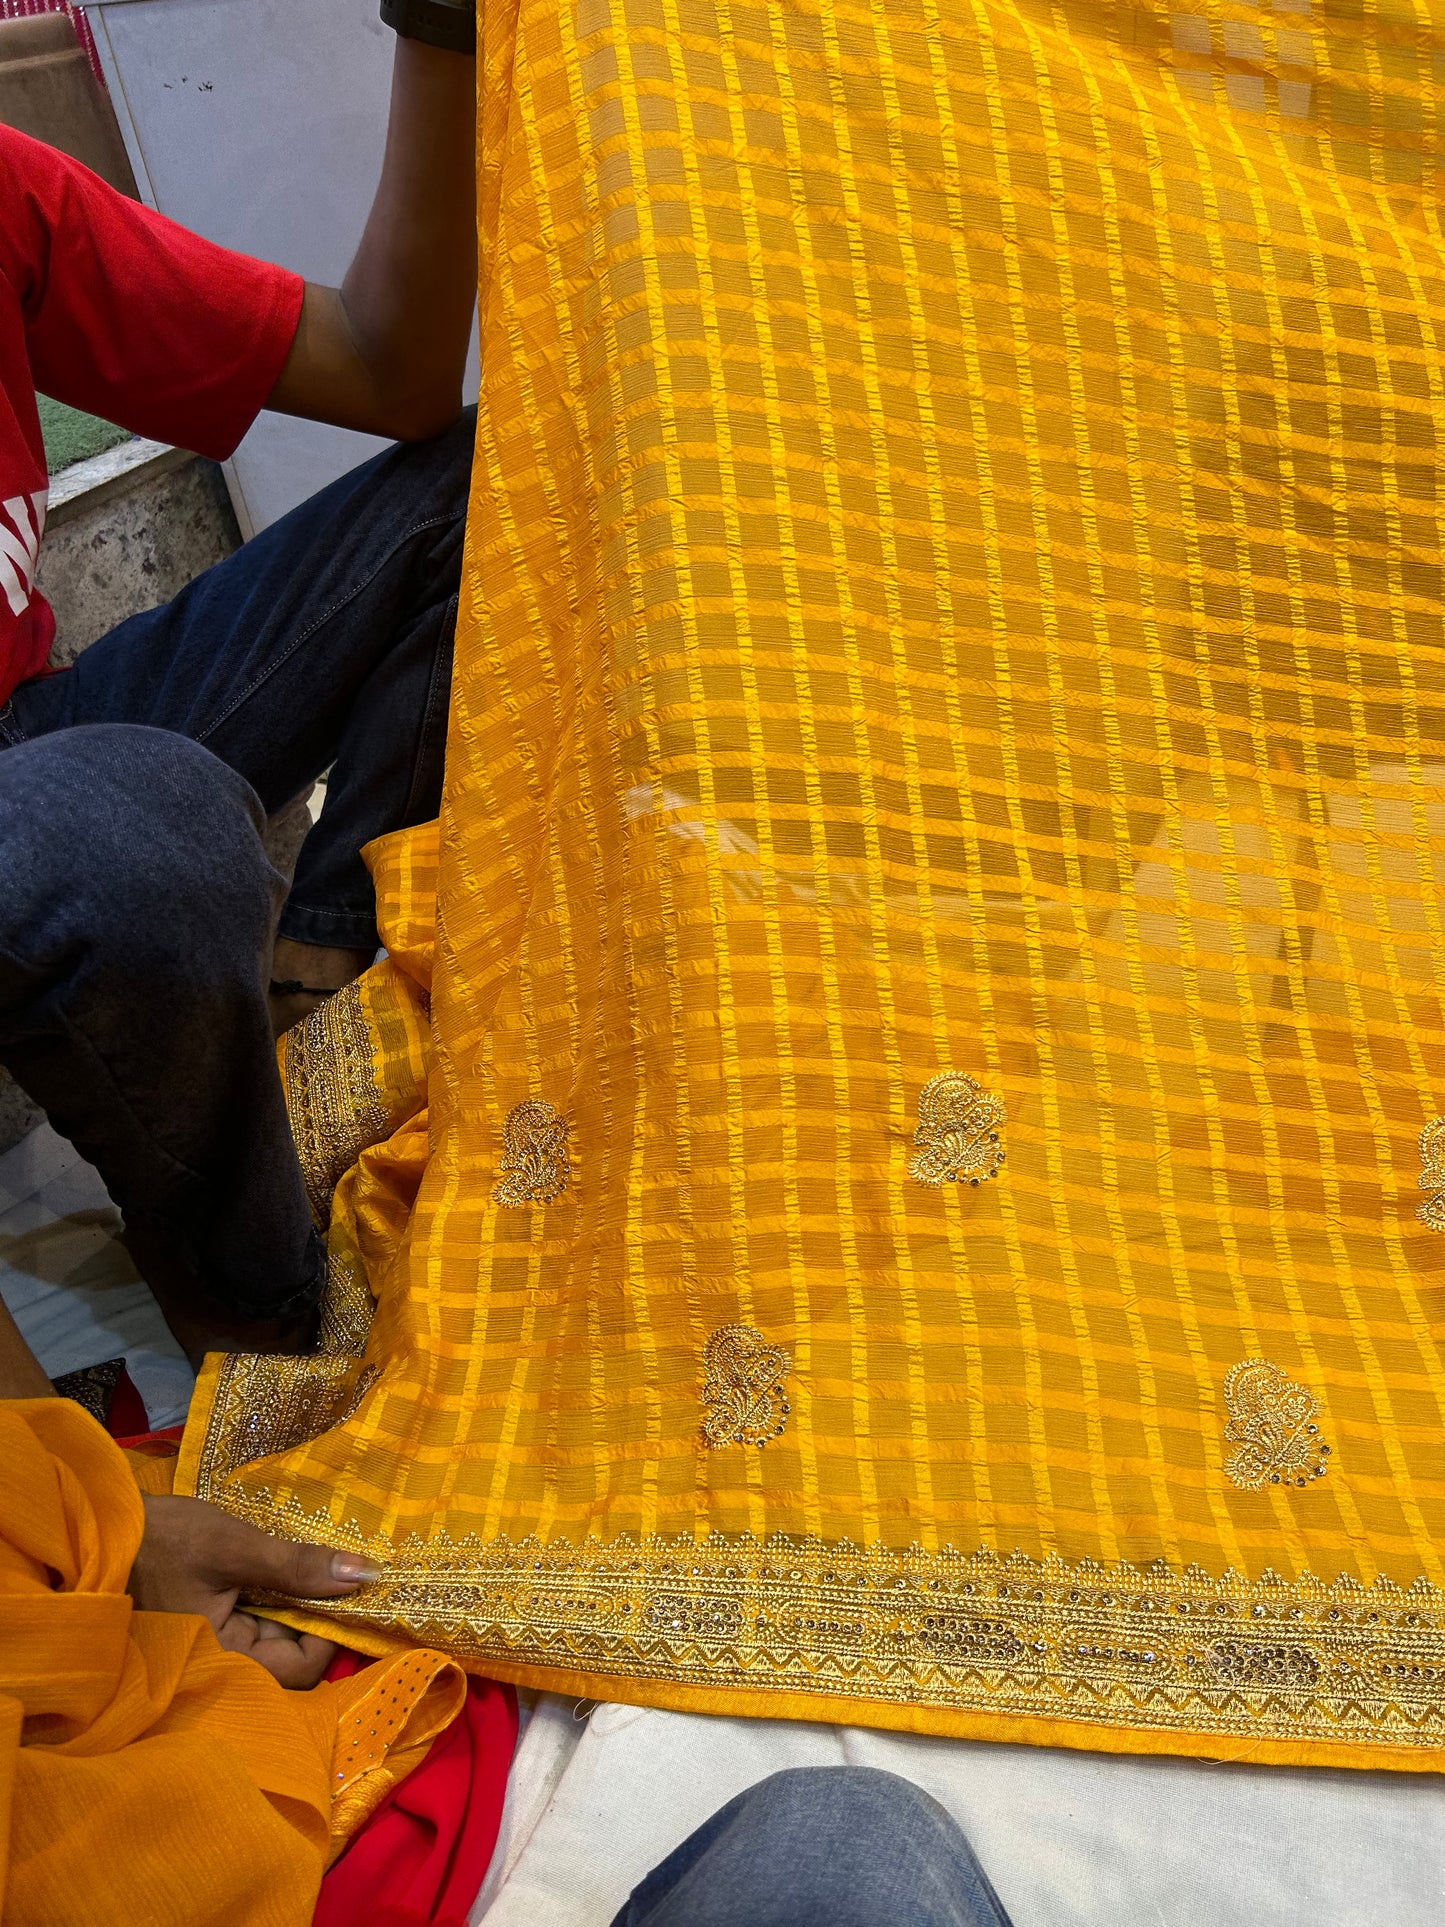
136 913
821 1847
323 643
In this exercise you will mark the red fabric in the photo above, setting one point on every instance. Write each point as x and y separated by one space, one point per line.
127 1417
421 1857
158 1445
108 306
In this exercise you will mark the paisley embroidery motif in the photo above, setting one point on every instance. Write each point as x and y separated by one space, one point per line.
1272 1420
742 1391
535 1166
1432 1174
959 1132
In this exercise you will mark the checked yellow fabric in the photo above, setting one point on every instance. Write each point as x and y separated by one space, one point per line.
896 1150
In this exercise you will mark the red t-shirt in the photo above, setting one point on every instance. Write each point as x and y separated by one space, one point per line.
116 310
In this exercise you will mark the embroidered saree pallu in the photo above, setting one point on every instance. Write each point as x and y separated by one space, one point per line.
895 1168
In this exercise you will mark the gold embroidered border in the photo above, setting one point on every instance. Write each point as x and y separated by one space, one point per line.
336 1112
347 1306
1152 1650
262 1405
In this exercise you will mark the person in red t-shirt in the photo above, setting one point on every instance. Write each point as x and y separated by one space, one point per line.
138 911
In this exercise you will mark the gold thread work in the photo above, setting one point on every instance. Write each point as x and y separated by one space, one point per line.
1155 1648
1272 1420
331 1095
960 1132
742 1391
535 1166
265 1404
347 1305
1432 1174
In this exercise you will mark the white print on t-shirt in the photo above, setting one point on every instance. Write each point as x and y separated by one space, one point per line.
22 523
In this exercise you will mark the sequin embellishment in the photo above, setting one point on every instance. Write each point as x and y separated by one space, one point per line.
1432 1174
335 1108
535 1166
959 1132
743 1388
1272 1420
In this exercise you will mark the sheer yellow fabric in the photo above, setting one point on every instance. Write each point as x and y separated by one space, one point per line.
909 1203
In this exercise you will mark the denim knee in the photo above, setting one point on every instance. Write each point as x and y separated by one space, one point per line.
883 1850
821 1847
862 1796
454 449
132 840
854 1804
435 476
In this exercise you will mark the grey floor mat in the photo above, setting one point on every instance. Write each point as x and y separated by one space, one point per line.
66 1277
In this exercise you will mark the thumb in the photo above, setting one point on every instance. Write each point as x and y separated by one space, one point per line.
257 1562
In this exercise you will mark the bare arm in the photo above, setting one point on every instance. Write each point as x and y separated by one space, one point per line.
387 350
21 1374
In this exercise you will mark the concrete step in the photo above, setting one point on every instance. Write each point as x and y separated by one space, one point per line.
125 531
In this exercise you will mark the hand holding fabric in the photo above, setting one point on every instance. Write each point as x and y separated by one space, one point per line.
194 1558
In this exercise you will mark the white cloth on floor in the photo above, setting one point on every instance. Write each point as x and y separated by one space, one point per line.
69 1282
1068 1839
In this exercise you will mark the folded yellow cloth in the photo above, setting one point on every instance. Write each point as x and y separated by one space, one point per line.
145 1774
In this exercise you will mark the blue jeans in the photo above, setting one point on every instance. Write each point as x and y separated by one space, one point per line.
137 906
839 1846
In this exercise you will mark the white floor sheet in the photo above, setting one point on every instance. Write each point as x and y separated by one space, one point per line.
1068 1839
69 1282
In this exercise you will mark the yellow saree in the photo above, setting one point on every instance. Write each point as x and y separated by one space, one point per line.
888 1149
